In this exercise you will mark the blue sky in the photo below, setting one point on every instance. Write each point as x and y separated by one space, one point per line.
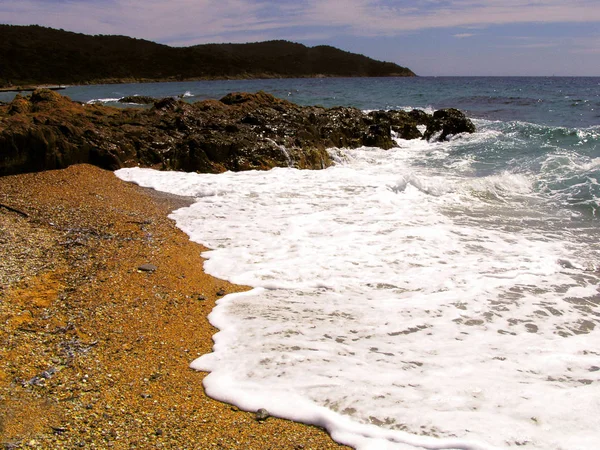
432 37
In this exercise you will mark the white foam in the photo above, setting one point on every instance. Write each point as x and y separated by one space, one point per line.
398 305
102 100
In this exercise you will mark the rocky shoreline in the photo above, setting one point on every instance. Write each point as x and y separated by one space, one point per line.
96 347
241 131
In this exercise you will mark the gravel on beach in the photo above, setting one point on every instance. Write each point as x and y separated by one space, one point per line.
103 305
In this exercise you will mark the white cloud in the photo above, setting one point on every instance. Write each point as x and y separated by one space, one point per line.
377 16
197 21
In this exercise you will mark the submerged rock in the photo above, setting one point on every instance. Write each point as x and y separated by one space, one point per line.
240 132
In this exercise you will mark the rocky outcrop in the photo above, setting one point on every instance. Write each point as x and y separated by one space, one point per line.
446 123
240 132
137 100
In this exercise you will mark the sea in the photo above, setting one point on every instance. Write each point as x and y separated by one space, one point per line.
438 295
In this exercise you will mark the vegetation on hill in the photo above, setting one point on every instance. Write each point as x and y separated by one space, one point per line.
40 55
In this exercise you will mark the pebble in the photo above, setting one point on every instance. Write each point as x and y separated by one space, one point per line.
262 414
147 268
221 292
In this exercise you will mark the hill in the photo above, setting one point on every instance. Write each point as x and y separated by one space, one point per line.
40 55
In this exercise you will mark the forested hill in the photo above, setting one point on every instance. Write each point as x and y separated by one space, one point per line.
39 55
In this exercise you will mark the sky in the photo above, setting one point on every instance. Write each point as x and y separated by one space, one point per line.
431 37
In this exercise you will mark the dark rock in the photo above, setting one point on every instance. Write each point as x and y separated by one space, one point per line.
221 292
405 123
379 136
201 298
166 104
147 268
236 98
448 122
252 120
138 100
262 414
241 132
419 116
407 131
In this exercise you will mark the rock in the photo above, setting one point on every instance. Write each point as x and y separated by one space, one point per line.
147 268
262 414
49 373
220 292
19 105
240 132
449 122
166 104
138 100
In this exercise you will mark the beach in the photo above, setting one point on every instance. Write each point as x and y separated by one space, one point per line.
96 346
438 293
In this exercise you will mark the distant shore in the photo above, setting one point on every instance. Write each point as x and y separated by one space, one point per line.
31 88
265 76
96 350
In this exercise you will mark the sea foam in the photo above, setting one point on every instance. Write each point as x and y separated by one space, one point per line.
399 303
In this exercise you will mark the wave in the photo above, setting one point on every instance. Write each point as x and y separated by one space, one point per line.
102 100
553 136
572 180
429 187
507 161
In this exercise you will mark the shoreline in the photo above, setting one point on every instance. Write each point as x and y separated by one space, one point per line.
31 88
95 352
26 87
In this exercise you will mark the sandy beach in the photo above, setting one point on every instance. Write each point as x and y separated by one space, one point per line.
95 352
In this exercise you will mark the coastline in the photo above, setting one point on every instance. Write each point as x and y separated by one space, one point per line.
29 87
95 353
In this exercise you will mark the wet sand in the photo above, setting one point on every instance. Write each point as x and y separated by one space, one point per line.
95 353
